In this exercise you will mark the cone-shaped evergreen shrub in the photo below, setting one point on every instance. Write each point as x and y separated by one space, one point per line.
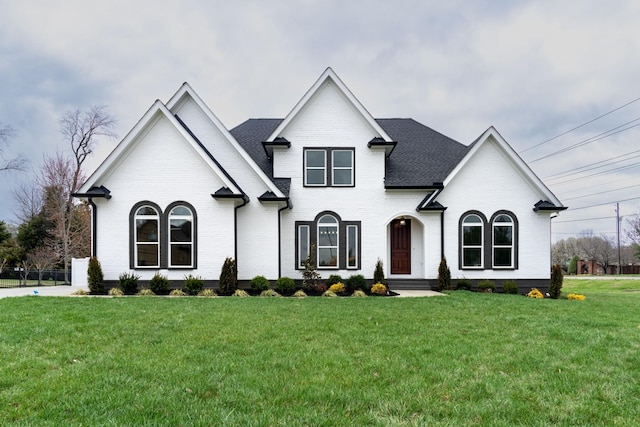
555 285
228 277
444 275
378 273
95 277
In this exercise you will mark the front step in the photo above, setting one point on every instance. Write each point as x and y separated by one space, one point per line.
409 284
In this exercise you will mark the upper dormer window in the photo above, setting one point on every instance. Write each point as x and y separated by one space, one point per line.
329 167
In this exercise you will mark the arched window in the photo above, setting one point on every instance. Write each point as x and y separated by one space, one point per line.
146 240
181 234
328 242
472 241
503 241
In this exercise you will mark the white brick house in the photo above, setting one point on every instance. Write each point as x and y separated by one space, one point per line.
181 193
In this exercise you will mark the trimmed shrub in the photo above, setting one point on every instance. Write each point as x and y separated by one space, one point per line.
486 286
192 284
285 285
116 292
128 283
333 279
159 284
300 294
379 289
444 275
378 273
208 292
358 294
145 292
464 284
95 277
259 284
177 293
329 294
356 281
269 293
337 288
228 277
555 285
510 287
240 293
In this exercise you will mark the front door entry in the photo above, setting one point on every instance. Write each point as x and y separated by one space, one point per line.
401 246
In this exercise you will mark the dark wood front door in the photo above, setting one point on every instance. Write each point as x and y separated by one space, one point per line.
401 246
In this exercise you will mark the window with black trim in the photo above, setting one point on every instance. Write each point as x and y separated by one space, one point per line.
489 244
163 240
336 243
329 167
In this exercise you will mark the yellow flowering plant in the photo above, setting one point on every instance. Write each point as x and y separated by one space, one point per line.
337 288
535 293
577 297
379 289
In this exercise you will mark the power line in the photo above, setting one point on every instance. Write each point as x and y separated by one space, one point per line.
608 171
601 192
586 167
584 219
603 204
579 126
598 137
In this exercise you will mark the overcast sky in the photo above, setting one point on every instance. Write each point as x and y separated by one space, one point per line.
532 69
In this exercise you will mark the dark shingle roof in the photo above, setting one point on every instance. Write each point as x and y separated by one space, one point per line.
422 157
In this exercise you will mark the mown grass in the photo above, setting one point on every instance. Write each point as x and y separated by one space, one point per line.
464 359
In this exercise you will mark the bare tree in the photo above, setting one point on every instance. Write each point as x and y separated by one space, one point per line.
16 164
41 259
600 249
29 201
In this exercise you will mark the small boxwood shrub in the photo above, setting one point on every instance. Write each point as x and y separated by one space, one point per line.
285 285
128 283
259 284
208 292
464 284
145 292
159 284
379 289
510 287
356 281
177 293
95 277
337 288
486 286
192 284
333 279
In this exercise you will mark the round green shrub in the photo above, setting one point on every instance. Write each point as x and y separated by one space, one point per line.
355 282
464 284
159 284
486 286
128 283
285 285
192 284
259 284
510 287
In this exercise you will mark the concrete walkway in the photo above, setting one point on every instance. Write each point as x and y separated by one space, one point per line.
56 291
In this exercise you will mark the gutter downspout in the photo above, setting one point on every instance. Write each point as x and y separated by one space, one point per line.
280 237
94 227
442 235
245 200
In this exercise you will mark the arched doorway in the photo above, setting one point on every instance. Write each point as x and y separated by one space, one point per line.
400 240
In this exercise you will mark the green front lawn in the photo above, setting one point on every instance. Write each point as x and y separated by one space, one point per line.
464 359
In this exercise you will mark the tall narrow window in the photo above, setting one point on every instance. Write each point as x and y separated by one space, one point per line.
327 242
342 167
147 243
352 246
180 237
303 244
315 167
503 242
472 241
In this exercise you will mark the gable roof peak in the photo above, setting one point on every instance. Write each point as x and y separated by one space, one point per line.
329 74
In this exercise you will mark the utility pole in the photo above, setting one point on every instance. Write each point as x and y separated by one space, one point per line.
618 234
